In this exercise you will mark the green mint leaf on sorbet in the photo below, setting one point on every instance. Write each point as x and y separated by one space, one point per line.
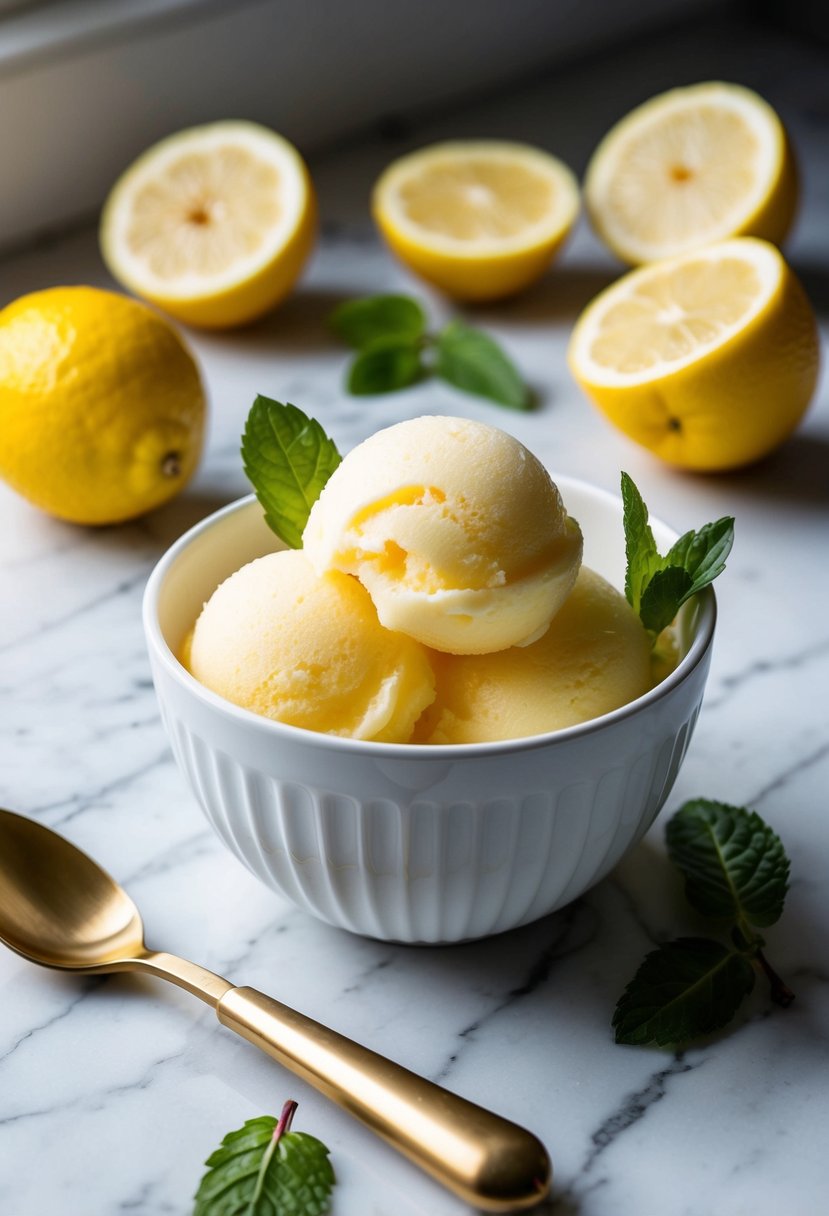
683 990
388 364
702 554
640 547
395 349
288 458
265 1169
472 361
736 873
362 322
657 586
734 865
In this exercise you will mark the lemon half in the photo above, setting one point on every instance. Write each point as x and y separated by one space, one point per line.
690 167
479 219
213 225
709 359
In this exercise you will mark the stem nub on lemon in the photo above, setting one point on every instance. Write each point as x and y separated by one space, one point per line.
709 359
479 219
690 167
101 405
213 224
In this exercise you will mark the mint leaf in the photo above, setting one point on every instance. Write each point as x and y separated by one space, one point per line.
662 596
735 866
386 365
288 458
472 361
682 991
656 587
362 322
703 553
640 547
264 1170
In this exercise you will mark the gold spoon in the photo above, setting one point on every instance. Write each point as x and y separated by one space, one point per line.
60 909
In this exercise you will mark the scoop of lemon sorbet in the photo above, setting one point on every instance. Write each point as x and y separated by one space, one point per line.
455 529
594 658
306 650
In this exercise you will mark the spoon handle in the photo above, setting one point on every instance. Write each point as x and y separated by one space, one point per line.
486 1160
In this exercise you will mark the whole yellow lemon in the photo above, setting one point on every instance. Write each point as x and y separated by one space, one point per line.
101 405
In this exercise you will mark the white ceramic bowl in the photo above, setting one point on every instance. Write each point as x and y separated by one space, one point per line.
412 843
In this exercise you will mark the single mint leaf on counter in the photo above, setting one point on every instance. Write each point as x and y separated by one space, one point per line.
656 587
387 364
684 990
472 361
735 866
264 1169
288 458
362 322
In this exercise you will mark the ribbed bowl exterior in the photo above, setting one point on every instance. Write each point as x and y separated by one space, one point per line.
427 850
420 844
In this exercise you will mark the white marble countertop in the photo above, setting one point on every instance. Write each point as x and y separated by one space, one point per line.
113 1091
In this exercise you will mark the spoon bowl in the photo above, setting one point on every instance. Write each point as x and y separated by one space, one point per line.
57 906
60 909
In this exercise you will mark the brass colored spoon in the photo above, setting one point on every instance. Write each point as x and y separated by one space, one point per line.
60 909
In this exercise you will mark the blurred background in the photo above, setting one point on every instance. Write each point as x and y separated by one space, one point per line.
86 85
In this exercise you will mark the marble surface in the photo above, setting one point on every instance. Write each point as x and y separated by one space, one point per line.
113 1091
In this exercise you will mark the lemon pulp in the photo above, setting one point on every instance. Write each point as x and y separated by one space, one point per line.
480 219
689 167
708 359
213 224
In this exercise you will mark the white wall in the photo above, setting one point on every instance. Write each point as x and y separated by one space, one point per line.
87 84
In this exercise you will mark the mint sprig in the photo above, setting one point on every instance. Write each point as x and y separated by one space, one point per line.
288 458
657 586
736 873
395 349
265 1169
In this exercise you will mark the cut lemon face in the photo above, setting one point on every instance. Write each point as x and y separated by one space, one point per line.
709 359
213 224
690 167
479 219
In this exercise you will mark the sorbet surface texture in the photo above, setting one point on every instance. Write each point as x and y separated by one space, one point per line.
309 651
595 657
455 529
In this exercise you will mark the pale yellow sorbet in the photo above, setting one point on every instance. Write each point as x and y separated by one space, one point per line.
455 529
594 658
306 650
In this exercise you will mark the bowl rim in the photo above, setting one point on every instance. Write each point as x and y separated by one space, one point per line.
700 645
